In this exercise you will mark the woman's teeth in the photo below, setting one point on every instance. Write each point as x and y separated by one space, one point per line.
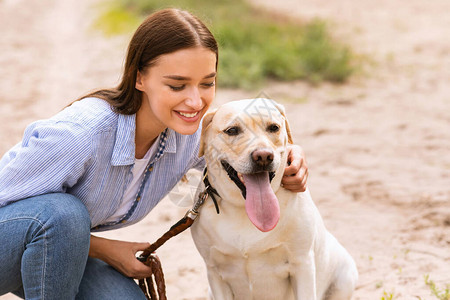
188 115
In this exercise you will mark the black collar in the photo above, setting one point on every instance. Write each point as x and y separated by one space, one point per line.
210 190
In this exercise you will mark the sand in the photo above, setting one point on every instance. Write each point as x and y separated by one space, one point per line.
377 147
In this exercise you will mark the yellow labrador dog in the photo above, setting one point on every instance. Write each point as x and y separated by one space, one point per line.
267 242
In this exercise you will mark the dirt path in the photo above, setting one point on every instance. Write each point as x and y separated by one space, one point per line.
49 56
377 147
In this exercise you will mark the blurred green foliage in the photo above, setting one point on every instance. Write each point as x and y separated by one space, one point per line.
254 44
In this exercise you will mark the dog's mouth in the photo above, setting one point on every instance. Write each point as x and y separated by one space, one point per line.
238 178
261 203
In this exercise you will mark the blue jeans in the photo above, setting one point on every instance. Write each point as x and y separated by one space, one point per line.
44 246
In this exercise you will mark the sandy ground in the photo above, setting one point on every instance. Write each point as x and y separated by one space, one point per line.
377 147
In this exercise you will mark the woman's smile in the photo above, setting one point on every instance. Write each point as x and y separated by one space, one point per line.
189 116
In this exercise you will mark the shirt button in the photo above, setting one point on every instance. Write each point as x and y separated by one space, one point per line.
150 169
138 198
123 221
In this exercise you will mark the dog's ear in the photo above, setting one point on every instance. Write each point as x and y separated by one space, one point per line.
205 124
288 129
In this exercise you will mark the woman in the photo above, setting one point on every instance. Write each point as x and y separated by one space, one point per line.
104 162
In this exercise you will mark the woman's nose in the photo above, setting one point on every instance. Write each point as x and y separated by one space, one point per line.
194 99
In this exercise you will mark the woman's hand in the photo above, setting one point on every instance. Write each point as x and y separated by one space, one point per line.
121 256
296 173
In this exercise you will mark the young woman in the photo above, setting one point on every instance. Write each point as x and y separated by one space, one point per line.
104 162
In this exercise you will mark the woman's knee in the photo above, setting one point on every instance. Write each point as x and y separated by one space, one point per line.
43 232
63 215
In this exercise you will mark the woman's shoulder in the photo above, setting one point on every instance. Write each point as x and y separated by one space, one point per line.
92 114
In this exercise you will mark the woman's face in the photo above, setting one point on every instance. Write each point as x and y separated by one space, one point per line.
178 88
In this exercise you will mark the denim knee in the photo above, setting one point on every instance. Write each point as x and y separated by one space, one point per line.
67 215
45 243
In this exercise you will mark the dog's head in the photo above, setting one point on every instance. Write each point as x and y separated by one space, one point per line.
244 145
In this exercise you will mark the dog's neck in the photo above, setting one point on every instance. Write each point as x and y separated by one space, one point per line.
212 192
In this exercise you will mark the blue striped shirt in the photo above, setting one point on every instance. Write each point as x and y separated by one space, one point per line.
88 150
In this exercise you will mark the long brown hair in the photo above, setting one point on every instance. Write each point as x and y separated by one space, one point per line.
162 32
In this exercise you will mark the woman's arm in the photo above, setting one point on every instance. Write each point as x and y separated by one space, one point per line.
120 255
296 173
51 158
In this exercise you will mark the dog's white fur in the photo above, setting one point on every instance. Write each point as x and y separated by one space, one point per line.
299 258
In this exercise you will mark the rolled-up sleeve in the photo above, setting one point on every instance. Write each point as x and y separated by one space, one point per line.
52 156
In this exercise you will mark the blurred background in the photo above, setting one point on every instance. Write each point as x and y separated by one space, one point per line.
365 85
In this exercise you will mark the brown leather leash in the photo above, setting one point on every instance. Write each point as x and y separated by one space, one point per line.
148 284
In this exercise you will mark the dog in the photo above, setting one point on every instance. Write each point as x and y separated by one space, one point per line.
267 242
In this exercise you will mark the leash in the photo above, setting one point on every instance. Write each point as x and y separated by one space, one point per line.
148 284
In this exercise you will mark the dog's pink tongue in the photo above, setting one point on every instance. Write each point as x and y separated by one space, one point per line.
261 203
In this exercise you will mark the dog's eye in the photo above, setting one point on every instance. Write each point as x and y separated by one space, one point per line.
273 128
233 130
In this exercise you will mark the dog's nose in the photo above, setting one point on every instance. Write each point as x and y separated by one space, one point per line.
262 157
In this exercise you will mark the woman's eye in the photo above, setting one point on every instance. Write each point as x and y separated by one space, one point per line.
176 87
234 130
209 84
273 128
